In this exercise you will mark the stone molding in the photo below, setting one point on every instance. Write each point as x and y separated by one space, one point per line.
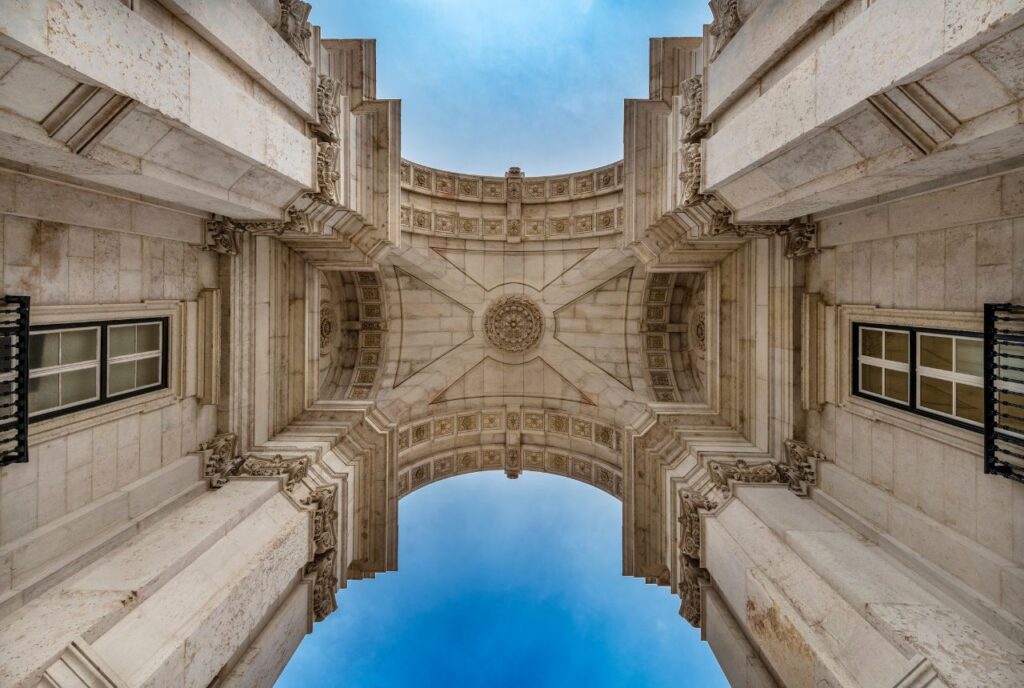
223 463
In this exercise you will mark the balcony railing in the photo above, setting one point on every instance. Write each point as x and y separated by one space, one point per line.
1004 390
14 379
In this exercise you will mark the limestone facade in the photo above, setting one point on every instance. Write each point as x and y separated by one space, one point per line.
679 328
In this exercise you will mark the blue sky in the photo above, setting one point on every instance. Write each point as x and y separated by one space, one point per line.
505 583
487 84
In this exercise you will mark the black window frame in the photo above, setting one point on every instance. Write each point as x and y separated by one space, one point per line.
104 398
911 406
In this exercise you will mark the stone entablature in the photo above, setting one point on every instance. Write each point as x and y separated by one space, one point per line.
555 429
514 207
513 460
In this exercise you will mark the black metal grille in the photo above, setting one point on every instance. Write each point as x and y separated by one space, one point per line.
14 379
1004 390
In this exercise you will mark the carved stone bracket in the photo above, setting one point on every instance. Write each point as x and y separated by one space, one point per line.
325 583
323 499
693 503
690 580
293 470
328 128
798 470
222 236
691 174
294 26
801 466
722 473
327 174
800 236
222 460
726 23
692 110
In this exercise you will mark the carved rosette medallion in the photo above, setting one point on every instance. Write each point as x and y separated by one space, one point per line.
513 324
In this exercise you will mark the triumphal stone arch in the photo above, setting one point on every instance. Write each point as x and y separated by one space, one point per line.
238 327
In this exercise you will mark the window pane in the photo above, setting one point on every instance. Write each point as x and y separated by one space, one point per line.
871 343
147 372
897 346
897 385
42 393
968 356
936 395
149 338
1005 351
77 385
77 346
43 350
121 340
871 379
936 352
121 377
970 403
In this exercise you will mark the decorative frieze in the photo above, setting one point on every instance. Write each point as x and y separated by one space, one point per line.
223 463
294 26
725 24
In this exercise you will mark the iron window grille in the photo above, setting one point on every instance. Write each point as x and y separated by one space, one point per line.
14 337
1004 390
938 374
76 366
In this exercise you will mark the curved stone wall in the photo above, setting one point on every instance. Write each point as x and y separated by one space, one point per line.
514 207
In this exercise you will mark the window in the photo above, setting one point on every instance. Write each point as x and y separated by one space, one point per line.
76 366
935 373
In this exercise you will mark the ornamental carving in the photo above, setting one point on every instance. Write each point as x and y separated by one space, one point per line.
691 174
725 24
293 470
693 503
690 580
221 461
801 239
326 328
325 517
693 104
327 175
325 583
328 128
722 472
513 323
801 466
294 26
222 236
